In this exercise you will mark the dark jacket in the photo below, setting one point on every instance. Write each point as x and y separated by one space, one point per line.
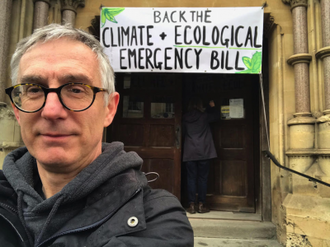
109 203
198 141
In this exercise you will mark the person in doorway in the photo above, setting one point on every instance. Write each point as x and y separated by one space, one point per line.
66 187
198 149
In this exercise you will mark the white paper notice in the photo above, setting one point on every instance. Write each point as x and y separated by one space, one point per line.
236 108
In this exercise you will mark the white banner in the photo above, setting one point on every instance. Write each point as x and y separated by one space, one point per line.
213 40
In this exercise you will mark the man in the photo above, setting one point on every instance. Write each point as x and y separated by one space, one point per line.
66 188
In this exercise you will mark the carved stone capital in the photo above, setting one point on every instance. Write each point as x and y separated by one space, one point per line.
300 58
302 118
45 1
72 4
325 117
322 53
296 3
268 23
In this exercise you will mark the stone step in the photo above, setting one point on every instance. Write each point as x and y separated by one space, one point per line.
233 229
222 242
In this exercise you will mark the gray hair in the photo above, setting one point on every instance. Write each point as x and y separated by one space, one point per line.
56 31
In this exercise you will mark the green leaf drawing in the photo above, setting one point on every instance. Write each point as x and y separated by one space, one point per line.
247 62
253 64
256 62
109 14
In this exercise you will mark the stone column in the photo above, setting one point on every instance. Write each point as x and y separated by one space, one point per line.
9 129
5 12
41 8
301 57
69 10
324 121
301 127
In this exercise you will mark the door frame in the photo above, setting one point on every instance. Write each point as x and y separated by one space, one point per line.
263 186
264 204
251 89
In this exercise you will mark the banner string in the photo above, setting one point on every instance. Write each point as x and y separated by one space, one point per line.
264 108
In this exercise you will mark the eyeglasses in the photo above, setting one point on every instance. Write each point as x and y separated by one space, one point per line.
29 97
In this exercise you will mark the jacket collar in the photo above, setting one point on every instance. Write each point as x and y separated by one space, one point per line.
118 195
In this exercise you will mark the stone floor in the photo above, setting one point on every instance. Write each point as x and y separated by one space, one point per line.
218 242
223 215
231 229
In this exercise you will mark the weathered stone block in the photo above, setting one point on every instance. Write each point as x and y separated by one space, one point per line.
294 239
301 163
302 136
309 227
308 216
324 132
324 163
315 242
324 191
303 186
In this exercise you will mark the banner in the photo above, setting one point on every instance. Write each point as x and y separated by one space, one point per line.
191 40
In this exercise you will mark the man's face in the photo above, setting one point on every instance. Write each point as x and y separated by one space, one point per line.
62 140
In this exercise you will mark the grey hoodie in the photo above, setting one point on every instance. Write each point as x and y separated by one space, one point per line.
38 214
109 203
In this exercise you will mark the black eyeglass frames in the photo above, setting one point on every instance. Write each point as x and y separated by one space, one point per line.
30 97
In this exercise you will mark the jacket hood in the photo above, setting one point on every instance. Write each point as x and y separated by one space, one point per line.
192 116
20 170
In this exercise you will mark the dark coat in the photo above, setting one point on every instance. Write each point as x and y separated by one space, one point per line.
121 211
198 141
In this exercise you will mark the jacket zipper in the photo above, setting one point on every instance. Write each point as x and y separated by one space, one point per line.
15 211
90 226
9 207
20 236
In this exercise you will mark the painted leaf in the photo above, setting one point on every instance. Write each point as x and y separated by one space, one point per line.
109 14
103 19
256 62
247 62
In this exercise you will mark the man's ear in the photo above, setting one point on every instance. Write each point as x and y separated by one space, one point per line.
16 111
111 108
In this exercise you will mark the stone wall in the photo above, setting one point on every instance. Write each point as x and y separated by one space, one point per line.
18 21
306 208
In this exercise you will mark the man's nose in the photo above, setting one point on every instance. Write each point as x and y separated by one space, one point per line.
53 107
